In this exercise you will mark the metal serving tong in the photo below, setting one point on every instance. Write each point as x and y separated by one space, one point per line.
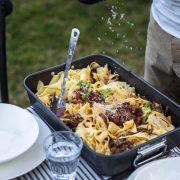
61 104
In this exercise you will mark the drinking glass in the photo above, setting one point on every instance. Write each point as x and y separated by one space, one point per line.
63 149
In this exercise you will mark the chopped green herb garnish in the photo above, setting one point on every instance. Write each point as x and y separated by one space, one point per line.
147 109
147 105
82 83
106 92
147 115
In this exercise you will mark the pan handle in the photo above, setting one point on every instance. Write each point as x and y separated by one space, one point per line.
152 152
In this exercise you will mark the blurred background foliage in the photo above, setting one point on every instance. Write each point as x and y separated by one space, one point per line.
38 35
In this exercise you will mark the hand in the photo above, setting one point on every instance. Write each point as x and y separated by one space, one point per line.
90 1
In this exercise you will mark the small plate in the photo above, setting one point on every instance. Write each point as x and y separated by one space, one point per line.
28 160
18 131
166 169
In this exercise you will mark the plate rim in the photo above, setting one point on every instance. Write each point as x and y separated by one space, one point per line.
134 174
36 126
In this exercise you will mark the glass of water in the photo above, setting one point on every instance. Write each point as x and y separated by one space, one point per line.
62 150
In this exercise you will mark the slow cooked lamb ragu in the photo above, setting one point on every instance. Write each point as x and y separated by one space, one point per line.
104 111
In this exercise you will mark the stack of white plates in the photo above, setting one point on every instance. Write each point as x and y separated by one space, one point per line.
21 138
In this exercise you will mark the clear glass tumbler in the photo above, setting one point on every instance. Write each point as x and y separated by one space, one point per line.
62 150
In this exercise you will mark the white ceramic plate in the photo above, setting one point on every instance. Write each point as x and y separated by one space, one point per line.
28 160
18 131
166 169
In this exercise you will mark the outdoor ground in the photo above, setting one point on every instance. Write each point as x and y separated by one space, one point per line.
38 35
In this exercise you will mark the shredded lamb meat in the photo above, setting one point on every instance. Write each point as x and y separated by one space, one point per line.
157 107
104 118
141 129
74 121
79 95
126 112
94 97
120 145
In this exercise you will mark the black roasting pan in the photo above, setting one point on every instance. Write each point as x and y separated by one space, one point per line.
117 163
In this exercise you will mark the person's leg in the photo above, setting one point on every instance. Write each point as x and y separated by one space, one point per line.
159 61
175 88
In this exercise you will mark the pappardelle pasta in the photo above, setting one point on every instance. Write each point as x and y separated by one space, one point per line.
105 112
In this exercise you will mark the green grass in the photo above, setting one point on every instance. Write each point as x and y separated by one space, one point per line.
38 34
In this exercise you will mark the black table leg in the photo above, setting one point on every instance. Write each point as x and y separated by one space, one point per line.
5 9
